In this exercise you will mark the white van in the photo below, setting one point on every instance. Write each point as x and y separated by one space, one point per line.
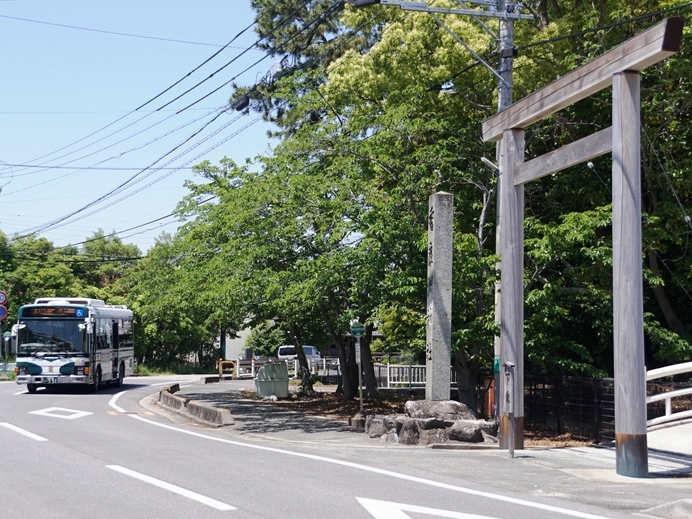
288 352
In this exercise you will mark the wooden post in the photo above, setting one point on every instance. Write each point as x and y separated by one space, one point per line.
628 304
512 285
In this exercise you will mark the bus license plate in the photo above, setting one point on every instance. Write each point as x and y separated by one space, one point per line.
50 380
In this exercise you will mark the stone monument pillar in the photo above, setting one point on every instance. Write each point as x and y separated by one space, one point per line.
438 334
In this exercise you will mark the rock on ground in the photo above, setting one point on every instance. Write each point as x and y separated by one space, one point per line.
433 422
443 409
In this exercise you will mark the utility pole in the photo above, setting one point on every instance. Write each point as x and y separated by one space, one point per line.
505 90
507 12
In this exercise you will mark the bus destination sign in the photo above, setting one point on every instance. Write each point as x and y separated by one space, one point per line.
54 311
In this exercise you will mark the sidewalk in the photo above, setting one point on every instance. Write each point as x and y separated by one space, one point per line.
580 474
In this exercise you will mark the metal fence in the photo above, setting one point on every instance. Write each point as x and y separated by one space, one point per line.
586 406
579 405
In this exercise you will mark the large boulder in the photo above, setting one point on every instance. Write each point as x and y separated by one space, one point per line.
442 409
465 432
408 431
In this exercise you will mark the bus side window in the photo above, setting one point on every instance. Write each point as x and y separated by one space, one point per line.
101 334
125 330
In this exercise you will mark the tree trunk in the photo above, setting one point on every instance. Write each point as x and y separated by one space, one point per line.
306 379
366 360
466 377
345 384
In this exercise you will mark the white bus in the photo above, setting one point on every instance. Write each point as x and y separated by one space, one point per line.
73 341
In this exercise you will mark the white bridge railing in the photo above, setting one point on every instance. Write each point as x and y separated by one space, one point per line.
669 371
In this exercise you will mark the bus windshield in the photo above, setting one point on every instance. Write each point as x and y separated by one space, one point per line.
51 336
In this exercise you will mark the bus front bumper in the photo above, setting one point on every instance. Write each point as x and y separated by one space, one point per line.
49 380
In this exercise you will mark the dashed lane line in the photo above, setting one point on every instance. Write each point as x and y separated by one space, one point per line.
24 432
173 488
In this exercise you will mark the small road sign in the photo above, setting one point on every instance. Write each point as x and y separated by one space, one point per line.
357 330
3 297
3 312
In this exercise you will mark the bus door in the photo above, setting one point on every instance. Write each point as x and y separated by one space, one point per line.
116 348
103 352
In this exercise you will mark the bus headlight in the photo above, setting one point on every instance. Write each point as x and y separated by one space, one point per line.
80 369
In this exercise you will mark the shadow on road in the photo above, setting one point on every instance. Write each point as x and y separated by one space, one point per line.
253 416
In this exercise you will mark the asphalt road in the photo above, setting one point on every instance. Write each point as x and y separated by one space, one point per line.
110 455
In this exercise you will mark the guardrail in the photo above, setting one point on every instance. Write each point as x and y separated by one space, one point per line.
668 371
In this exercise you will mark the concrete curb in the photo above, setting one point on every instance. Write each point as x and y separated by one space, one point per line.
209 413
215 378
199 411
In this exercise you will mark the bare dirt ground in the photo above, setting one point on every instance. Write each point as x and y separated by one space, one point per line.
335 406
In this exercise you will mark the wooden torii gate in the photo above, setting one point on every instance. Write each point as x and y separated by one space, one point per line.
620 67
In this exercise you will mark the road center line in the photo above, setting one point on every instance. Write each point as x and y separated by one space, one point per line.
25 433
173 488
397 475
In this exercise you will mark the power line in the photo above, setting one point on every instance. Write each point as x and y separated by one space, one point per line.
160 93
44 167
127 182
56 223
109 32
284 21
132 193
116 233
320 17
95 168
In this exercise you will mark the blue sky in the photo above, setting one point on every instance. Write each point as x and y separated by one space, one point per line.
61 85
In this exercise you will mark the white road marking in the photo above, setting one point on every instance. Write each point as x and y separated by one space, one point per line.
173 488
389 510
22 431
21 392
112 402
60 412
365 468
